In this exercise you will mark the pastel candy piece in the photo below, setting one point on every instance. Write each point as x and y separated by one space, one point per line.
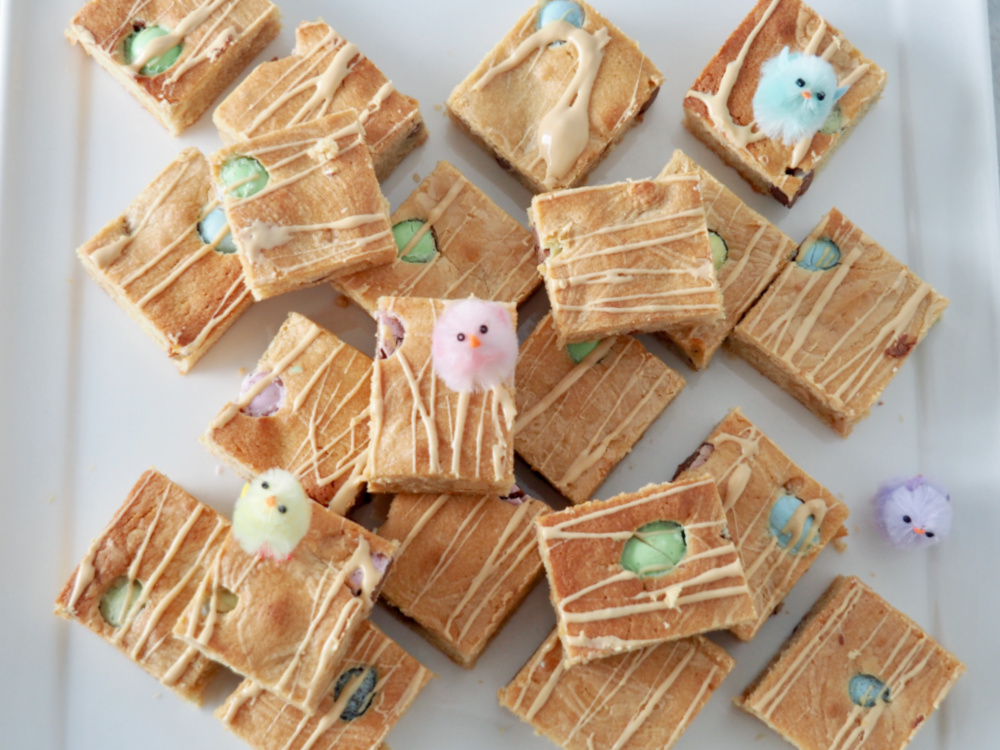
560 10
268 401
580 350
834 123
243 176
136 43
655 549
423 251
720 250
118 599
822 255
866 690
363 695
781 513
210 227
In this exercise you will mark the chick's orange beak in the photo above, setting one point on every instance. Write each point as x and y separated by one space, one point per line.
474 342
918 530
270 501
807 95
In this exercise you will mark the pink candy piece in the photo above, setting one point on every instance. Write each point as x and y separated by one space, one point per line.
381 564
268 401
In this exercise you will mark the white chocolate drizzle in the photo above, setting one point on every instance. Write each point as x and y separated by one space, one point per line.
157 46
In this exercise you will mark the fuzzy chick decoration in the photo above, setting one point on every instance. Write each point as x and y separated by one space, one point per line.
272 515
474 345
912 513
795 95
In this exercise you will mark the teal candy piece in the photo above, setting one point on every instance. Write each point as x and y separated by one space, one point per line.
209 228
118 599
822 255
720 250
655 549
560 10
781 513
426 247
580 350
865 690
361 700
136 43
834 123
243 176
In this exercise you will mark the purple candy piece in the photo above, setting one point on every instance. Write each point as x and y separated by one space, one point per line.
516 496
390 339
912 512
380 562
268 401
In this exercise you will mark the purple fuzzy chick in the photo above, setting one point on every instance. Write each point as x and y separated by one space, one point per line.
912 513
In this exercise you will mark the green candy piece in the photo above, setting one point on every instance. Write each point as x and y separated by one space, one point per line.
225 601
136 42
209 228
655 549
426 247
580 350
118 599
720 250
243 176
834 122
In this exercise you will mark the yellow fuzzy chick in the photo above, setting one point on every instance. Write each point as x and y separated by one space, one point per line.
272 515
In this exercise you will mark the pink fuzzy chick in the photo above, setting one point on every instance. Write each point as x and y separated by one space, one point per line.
474 345
912 513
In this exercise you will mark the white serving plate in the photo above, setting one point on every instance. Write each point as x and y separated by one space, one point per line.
87 402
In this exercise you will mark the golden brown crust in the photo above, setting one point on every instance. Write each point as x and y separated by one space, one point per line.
643 699
463 567
579 420
214 52
290 91
164 539
757 251
500 114
267 723
752 473
482 250
152 261
632 256
767 164
320 431
849 632
835 338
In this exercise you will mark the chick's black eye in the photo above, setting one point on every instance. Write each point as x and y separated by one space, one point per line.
483 329
800 83
929 534
461 337
264 485
282 509
907 519
821 96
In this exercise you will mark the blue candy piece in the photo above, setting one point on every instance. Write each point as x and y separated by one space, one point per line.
865 690
560 10
209 228
781 513
362 697
822 255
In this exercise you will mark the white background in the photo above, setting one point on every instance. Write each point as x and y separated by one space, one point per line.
87 402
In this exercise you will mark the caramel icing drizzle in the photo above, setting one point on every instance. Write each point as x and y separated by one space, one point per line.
564 131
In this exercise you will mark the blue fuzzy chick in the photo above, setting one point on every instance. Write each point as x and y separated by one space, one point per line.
795 95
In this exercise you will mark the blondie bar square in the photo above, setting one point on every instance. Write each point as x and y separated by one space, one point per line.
140 574
632 256
642 568
303 409
376 683
453 241
584 407
164 262
642 699
855 670
463 566
304 205
719 108
779 516
325 74
556 95
175 56
835 326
